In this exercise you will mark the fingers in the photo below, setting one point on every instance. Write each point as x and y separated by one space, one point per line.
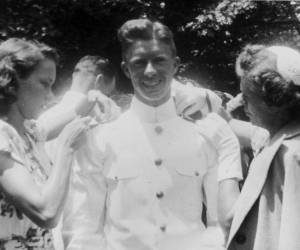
235 103
80 125
109 109
187 105
78 129
181 105
85 123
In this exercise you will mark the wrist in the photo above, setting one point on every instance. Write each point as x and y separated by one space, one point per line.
74 93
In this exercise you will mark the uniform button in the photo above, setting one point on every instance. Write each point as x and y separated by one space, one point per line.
196 173
159 195
116 178
240 238
158 130
163 228
158 162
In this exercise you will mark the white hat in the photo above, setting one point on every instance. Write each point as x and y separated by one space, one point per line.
288 62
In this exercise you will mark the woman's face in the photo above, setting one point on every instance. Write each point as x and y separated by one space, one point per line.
35 92
255 108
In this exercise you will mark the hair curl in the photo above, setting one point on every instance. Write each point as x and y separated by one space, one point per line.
18 59
275 90
147 30
257 66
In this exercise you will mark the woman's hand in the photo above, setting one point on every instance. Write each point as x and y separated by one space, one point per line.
74 132
109 110
83 81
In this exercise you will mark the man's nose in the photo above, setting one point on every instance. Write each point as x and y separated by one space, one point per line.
150 70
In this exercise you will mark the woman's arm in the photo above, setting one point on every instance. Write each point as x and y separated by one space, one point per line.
53 120
228 194
42 205
75 102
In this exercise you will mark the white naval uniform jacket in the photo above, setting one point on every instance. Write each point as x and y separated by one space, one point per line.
140 183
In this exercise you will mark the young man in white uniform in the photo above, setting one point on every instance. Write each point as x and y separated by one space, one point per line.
141 180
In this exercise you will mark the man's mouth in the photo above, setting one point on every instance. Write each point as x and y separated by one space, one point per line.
152 83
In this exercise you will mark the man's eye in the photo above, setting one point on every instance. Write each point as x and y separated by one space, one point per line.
244 100
138 63
160 59
45 83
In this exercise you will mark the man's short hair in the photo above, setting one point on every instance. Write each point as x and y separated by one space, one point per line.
98 64
147 30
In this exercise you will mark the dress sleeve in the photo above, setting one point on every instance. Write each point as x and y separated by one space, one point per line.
8 139
83 216
5 147
217 131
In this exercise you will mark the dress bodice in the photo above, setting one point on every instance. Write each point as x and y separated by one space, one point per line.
16 230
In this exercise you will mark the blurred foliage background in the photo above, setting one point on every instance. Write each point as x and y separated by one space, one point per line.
209 33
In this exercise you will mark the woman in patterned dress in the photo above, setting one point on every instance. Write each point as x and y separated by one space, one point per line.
31 196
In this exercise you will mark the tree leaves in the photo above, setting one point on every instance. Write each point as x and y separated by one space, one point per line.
209 34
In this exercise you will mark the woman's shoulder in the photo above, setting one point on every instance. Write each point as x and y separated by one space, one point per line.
292 137
290 150
8 136
6 128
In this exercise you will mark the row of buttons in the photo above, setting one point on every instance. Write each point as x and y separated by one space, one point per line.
158 130
158 162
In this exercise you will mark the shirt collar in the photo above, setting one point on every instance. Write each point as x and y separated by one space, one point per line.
152 114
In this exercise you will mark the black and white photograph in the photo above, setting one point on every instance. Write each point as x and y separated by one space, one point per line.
149 125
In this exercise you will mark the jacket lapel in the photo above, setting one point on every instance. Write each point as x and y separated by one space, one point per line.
254 184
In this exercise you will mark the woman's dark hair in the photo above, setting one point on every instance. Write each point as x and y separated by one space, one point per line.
257 66
18 59
144 29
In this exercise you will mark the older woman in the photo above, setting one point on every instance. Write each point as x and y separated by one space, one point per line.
31 197
267 213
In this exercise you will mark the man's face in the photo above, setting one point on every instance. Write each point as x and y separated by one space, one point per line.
151 66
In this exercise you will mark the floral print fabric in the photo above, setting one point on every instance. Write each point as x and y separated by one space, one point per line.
16 230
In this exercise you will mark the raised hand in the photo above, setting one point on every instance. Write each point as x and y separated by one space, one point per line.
74 132
83 81
109 110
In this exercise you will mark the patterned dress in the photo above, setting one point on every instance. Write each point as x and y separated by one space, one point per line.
16 230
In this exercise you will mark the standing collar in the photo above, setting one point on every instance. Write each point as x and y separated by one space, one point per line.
152 114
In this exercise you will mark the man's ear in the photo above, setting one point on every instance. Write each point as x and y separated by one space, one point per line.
125 69
111 86
99 81
176 64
